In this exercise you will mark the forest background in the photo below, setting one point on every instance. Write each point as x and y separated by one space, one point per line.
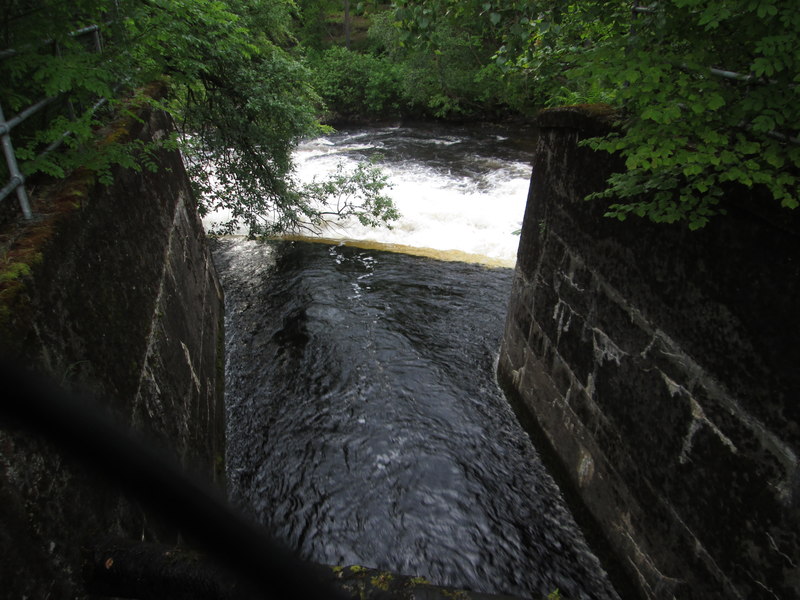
704 95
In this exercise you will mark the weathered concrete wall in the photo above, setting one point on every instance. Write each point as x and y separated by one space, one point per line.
662 367
122 300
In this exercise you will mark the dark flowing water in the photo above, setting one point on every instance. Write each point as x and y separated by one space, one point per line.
365 425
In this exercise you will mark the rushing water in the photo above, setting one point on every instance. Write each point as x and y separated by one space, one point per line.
365 425
456 189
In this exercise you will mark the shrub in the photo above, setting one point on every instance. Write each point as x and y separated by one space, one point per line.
358 85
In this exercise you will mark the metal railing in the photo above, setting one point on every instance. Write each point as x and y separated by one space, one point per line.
17 178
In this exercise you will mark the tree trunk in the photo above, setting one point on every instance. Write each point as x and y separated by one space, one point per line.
347 24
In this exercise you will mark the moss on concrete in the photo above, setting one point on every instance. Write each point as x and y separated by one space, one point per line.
375 584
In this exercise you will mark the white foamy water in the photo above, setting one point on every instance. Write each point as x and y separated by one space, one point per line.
456 190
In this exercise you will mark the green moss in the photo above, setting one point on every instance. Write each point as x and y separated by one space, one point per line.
14 271
357 569
118 133
382 581
16 264
455 595
599 110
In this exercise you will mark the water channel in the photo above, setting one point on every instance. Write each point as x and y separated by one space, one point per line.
365 425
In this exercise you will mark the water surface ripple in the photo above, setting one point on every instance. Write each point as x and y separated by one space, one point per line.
365 425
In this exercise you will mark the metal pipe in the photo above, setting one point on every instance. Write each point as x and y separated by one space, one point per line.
783 138
17 178
98 41
78 32
10 187
730 74
88 29
54 145
7 126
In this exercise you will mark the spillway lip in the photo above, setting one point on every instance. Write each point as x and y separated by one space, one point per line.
434 253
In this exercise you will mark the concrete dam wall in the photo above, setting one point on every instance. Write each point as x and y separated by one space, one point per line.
111 290
661 367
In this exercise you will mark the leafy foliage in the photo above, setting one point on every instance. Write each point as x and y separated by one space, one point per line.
707 90
448 48
241 99
451 76
312 23
689 132
346 194
353 84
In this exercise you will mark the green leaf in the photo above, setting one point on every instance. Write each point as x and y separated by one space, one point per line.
715 101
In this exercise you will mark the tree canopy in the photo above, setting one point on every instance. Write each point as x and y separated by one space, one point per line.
708 91
241 98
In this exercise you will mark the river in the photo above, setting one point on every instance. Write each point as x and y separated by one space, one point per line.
365 425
